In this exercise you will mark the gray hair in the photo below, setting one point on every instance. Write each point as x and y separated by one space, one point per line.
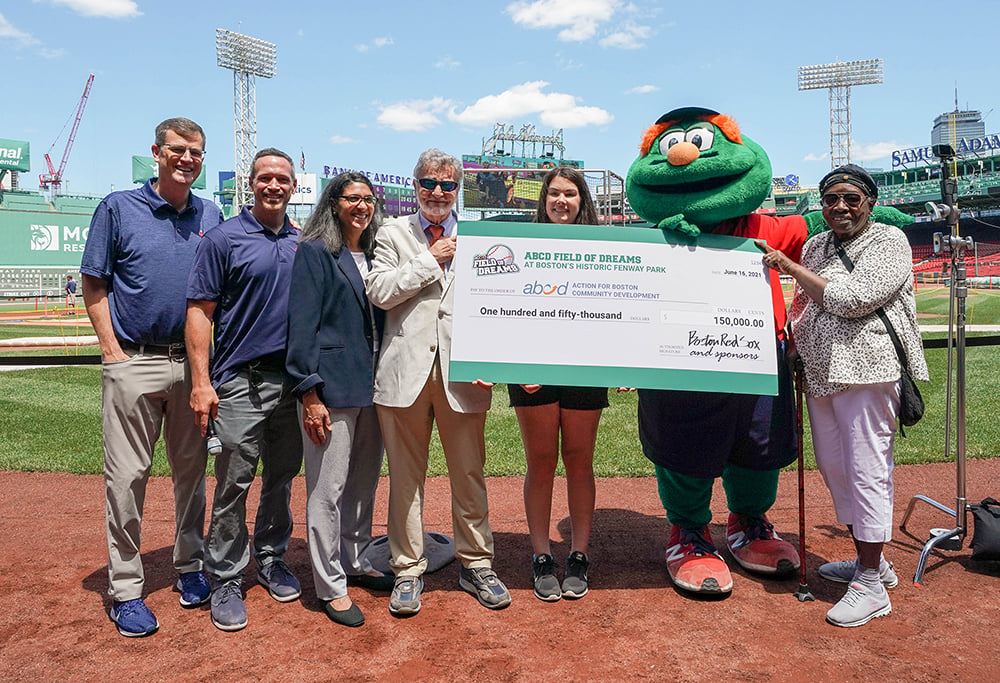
271 152
434 159
181 126
324 224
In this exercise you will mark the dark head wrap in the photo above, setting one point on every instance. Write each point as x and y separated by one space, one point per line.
853 174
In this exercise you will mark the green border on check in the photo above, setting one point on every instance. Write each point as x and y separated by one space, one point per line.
607 376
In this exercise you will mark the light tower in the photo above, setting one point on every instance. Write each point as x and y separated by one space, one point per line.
838 77
247 57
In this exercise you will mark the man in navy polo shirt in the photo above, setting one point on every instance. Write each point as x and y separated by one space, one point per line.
139 250
240 281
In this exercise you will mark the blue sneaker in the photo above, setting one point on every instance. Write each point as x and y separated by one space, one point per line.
133 618
279 581
194 589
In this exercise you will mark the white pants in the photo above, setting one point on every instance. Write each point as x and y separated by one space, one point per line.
853 434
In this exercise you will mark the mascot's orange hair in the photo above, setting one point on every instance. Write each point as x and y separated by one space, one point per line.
728 127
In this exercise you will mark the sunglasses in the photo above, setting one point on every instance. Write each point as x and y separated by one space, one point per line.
431 183
831 199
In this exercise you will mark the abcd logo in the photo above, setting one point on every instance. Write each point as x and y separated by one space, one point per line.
546 289
44 238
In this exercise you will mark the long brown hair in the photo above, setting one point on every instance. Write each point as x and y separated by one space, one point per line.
588 210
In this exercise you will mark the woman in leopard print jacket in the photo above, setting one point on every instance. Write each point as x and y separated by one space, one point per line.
852 374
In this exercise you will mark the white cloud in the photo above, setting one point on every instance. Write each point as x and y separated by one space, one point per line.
342 140
631 37
51 53
869 151
8 30
413 115
579 17
558 110
642 90
376 43
446 62
816 157
109 9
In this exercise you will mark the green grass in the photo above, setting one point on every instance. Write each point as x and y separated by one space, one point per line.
70 328
982 306
50 421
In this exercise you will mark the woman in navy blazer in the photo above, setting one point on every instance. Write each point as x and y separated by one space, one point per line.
333 344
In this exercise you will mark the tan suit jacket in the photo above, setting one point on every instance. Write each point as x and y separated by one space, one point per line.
406 281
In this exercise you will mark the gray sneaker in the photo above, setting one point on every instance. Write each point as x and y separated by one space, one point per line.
228 611
484 583
546 585
843 572
575 584
405 598
279 581
859 606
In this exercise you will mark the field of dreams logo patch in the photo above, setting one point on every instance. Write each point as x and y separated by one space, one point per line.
498 260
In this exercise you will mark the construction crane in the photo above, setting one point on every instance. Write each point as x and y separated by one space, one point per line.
53 178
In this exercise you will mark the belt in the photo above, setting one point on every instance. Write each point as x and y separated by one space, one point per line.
176 350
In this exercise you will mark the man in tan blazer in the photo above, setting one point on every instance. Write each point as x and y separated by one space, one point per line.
412 279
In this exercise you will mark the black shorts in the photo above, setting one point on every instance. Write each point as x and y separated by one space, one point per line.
571 398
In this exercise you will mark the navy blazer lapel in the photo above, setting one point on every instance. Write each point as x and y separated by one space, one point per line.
345 261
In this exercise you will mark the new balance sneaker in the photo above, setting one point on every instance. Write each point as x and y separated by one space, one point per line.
405 598
843 572
194 589
860 605
543 569
693 562
756 547
133 618
279 581
575 583
484 583
228 611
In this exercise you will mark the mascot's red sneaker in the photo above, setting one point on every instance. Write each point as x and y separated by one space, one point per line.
756 547
693 562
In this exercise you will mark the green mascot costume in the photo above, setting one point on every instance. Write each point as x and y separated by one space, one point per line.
696 172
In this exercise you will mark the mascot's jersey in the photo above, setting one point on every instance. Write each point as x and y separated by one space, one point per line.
787 234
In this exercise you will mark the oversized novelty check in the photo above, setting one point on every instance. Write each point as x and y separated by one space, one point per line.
611 307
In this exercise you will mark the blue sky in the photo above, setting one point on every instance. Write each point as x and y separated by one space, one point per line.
370 85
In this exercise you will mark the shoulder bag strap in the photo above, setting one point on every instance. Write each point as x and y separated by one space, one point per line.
880 312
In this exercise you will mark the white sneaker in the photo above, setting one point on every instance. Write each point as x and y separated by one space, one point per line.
843 572
859 606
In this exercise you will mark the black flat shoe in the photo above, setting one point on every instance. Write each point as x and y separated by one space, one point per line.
375 583
352 616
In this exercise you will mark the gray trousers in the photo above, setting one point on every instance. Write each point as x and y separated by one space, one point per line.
139 396
255 424
341 477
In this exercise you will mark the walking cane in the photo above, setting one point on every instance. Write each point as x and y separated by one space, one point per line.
803 593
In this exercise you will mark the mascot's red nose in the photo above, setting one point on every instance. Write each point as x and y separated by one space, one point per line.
682 153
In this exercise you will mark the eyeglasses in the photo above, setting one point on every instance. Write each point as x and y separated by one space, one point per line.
179 150
431 183
831 199
355 199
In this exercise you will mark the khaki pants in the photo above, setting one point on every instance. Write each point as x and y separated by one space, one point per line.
407 434
139 396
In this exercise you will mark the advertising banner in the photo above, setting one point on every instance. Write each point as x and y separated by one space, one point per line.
307 190
144 168
15 155
43 238
627 307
